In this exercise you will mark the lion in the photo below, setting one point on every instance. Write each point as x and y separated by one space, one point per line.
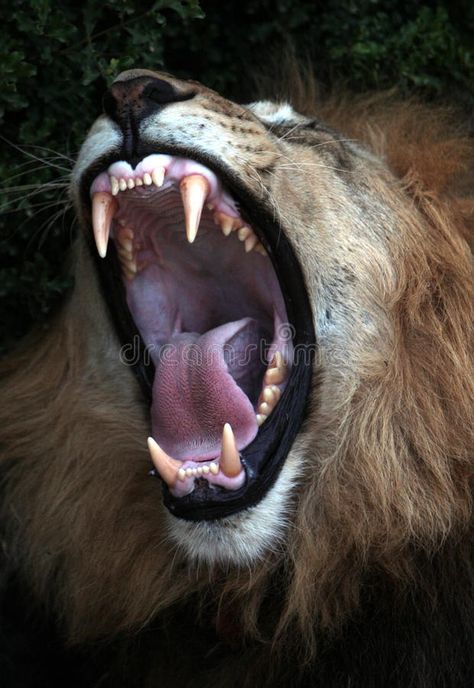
242 454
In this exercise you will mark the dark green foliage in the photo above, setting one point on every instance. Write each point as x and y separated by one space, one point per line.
56 58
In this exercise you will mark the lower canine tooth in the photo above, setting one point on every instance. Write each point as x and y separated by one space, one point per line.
230 460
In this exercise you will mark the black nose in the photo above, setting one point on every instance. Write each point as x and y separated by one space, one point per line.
128 102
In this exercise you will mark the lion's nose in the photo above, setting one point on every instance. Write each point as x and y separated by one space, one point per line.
129 101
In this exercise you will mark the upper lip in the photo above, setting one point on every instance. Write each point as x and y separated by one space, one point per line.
264 447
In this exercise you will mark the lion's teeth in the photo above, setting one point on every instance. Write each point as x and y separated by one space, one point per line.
167 467
131 183
260 419
276 371
147 180
181 474
138 181
114 185
103 209
250 243
122 184
265 409
189 472
259 248
243 233
194 190
158 176
230 460
214 468
205 470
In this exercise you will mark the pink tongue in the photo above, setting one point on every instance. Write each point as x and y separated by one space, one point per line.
194 394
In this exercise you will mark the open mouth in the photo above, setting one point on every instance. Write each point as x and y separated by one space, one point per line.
204 295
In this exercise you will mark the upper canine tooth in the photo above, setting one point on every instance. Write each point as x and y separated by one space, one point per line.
158 176
194 190
167 467
230 460
103 209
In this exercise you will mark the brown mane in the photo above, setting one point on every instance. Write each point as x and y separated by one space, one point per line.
87 527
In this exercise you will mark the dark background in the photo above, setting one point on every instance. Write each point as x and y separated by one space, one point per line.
57 57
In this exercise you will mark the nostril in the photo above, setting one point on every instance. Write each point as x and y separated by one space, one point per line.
161 92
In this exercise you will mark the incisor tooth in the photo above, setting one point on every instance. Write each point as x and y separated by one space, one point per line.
265 409
131 184
181 474
260 419
103 209
138 181
214 468
147 180
122 184
230 460
259 248
158 176
194 191
167 467
114 185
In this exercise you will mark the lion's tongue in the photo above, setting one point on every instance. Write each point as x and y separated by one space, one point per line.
195 393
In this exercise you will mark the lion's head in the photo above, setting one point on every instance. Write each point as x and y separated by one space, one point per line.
286 310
